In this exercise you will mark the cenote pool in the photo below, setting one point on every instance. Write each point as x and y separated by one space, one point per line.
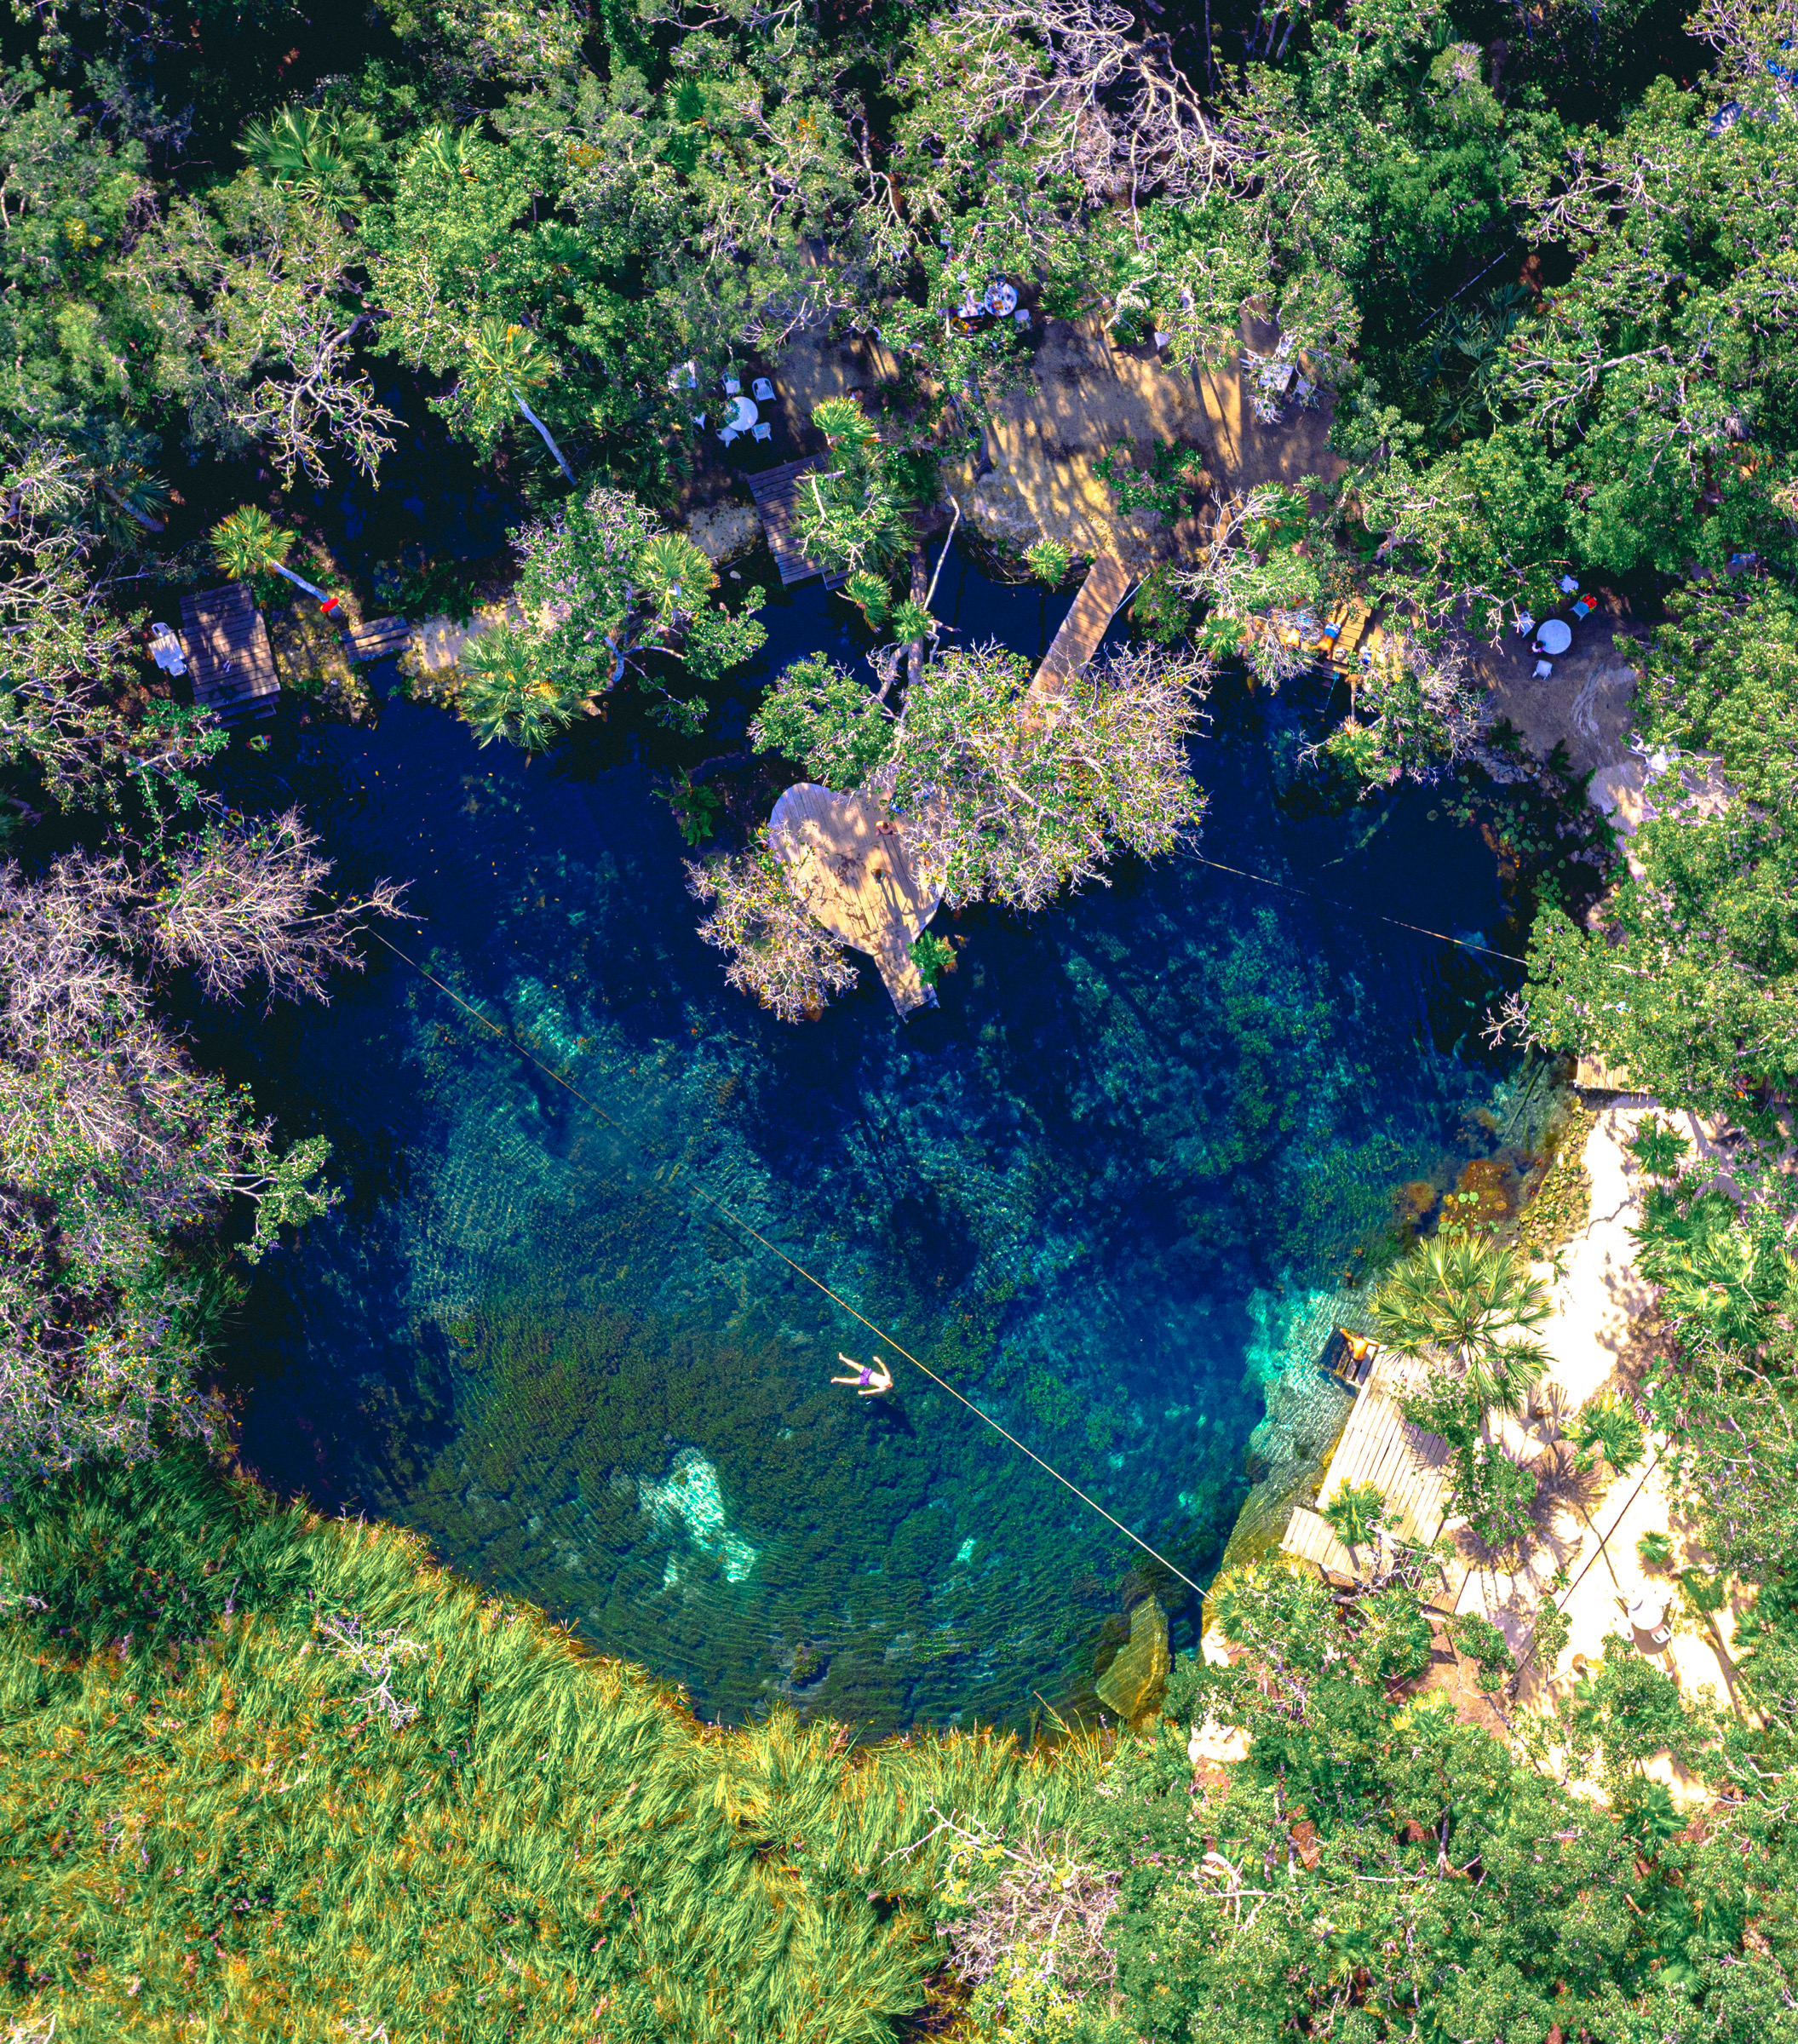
1108 1190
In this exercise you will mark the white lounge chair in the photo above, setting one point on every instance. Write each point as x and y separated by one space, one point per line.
761 431
762 390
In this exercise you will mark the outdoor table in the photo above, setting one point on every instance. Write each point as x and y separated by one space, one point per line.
1647 1614
1555 636
743 414
1001 298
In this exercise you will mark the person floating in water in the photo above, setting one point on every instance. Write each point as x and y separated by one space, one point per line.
874 1383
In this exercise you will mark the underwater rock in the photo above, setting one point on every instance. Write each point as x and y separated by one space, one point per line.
1135 1682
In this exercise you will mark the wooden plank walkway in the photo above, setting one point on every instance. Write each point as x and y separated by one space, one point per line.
228 653
1380 1446
776 492
850 863
379 638
1107 584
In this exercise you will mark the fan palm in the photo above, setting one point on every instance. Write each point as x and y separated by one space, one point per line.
504 361
249 541
675 572
1472 1305
849 517
507 692
319 152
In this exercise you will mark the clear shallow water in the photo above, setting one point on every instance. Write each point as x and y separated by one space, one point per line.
1098 1190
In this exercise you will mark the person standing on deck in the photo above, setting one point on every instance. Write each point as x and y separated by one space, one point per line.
874 1383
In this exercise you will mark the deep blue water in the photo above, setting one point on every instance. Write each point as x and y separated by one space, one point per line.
1107 1189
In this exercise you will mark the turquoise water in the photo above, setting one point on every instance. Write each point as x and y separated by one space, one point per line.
1142 1140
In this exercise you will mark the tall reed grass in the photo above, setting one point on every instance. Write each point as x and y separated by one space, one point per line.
267 1777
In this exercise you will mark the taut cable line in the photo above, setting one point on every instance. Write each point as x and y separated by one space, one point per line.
698 1192
1345 908
1286 886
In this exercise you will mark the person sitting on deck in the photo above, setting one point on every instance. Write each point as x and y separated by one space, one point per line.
874 1383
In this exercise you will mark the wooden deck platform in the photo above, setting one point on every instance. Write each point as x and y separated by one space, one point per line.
228 653
1107 584
850 865
776 492
1408 1466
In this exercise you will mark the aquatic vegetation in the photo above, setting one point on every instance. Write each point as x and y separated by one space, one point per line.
1139 1156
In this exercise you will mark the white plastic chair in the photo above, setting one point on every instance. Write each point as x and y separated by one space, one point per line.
1542 669
1022 315
731 387
729 435
761 389
761 431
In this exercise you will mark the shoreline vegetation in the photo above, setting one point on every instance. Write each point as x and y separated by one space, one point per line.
1445 353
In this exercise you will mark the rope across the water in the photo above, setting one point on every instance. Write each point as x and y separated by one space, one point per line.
698 1192
1286 886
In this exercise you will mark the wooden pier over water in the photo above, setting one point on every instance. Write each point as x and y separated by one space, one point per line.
1107 584
228 654
852 869
1410 1468
776 492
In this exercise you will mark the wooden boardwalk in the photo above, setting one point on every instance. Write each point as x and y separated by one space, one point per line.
1409 1468
1107 584
852 867
776 492
228 653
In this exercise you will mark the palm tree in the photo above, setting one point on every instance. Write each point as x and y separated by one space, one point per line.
249 541
848 516
675 573
1473 1305
319 152
508 692
504 363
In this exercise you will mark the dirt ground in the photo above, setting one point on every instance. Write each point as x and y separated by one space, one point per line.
1585 703
1035 478
1089 394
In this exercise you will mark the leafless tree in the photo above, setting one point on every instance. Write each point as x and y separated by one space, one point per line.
245 904
375 1653
113 1145
776 951
1033 1899
1097 103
